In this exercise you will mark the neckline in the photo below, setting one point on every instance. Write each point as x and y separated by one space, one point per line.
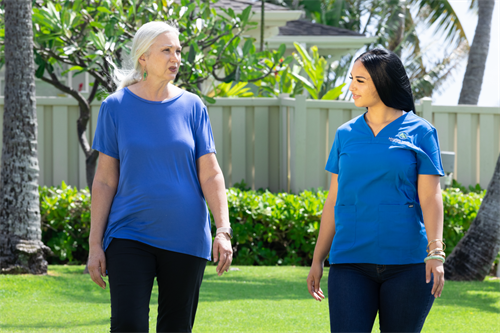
154 102
402 117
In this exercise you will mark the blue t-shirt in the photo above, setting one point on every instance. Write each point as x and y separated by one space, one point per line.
378 219
159 200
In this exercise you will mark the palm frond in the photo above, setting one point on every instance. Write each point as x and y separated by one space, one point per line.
442 13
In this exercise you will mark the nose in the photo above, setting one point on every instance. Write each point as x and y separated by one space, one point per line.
351 86
176 58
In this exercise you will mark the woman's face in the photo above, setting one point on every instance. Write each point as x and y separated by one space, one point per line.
164 57
362 87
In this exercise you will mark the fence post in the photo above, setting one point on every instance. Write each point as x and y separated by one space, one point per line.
283 145
427 109
298 135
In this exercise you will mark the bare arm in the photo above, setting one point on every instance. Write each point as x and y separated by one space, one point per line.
103 191
214 190
324 242
431 201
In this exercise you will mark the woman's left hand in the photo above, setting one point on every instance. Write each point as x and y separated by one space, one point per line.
222 252
435 267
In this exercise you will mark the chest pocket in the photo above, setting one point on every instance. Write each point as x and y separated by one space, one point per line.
345 227
398 227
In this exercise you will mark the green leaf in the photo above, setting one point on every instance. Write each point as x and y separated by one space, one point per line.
74 68
96 24
281 50
191 54
40 70
247 46
309 87
104 10
303 53
209 99
333 93
245 14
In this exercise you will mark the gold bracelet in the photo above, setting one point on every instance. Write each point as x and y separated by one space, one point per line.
440 251
440 254
433 241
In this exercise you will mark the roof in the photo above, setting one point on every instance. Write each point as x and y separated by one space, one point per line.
240 5
306 28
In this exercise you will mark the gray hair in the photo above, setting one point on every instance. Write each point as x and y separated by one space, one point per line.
141 43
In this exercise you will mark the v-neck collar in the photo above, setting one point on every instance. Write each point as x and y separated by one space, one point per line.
399 119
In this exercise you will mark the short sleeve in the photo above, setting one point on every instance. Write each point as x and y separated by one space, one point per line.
105 138
430 162
203 137
332 164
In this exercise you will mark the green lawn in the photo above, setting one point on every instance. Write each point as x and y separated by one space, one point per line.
253 299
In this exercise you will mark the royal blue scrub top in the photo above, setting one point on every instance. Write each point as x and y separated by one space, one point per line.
378 218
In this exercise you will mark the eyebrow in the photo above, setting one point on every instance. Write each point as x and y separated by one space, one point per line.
168 45
361 77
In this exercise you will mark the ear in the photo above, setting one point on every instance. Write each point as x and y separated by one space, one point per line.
142 59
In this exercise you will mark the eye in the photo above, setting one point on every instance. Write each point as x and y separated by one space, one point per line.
179 51
350 77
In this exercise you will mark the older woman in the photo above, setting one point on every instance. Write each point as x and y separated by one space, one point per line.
384 208
156 168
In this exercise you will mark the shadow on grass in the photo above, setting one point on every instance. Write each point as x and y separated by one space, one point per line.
79 289
482 296
239 286
54 325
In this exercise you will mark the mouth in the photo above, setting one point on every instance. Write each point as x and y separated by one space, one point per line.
355 96
173 69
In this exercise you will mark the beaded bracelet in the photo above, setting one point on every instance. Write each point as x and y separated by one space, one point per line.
435 257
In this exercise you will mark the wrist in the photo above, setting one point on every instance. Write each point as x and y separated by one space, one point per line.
318 261
226 231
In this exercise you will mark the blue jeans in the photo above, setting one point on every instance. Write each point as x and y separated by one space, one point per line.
356 292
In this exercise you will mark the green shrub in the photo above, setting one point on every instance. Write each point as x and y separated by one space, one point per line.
65 215
269 229
460 210
274 229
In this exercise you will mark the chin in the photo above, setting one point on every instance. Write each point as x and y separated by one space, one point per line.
358 103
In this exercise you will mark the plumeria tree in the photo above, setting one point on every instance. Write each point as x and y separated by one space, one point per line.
78 36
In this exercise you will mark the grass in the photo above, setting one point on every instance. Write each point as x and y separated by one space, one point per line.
253 299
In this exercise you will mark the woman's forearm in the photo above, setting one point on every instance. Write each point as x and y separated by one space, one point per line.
326 232
432 209
431 201
214 191
102 198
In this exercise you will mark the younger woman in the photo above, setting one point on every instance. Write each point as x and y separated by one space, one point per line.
384 208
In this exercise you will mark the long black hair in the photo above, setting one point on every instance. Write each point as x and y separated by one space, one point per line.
390 79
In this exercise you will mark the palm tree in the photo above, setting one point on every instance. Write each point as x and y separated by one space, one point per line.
473 256
473 78
394 22
21 248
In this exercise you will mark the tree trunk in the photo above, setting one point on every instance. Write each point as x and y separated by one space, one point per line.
473 256
394 43
473 78
21 248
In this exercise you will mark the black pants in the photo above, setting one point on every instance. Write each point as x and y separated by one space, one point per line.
132 267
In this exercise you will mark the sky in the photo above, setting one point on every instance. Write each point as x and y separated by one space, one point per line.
490 91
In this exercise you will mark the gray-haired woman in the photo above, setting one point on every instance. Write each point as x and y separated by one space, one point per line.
156 167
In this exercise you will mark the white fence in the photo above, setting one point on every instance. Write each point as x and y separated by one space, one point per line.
276 143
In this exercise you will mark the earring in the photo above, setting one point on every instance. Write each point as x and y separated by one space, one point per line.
145 75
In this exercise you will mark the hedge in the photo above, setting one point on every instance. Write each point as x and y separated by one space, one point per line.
269 229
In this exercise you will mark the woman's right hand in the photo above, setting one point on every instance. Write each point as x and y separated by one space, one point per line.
313 281
97 265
